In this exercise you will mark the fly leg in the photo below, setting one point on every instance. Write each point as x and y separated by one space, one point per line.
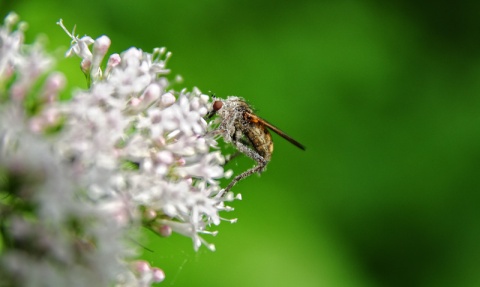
260 167
228 158
227 138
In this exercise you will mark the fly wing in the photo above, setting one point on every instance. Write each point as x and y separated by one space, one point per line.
255 119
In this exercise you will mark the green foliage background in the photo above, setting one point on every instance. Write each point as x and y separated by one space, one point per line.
384 94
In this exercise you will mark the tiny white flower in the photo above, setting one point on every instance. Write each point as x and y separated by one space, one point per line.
167 99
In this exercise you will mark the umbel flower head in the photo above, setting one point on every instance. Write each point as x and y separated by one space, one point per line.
78 178
152 141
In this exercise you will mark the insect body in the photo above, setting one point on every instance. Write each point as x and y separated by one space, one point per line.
249 133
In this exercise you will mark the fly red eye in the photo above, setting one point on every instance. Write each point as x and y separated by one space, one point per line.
217 105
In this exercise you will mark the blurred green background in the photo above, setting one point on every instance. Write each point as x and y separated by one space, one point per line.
386 97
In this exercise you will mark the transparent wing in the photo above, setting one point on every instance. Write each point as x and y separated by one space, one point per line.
255 119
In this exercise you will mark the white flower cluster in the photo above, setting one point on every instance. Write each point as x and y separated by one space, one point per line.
129 116
127 152
48 235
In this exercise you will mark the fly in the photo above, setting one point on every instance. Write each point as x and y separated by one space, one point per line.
248 132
